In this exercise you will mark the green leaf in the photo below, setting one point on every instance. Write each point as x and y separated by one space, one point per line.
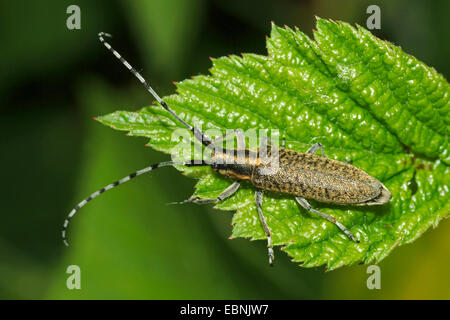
363 98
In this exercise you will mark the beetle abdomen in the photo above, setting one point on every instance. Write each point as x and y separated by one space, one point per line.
319 178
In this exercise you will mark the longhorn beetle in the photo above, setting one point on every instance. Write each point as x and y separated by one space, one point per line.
302 175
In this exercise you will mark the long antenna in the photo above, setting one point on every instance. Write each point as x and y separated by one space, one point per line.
118 182
206 141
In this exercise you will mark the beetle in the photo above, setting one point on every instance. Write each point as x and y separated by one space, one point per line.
302 175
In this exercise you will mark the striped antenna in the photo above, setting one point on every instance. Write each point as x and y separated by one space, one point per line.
118 182
206 141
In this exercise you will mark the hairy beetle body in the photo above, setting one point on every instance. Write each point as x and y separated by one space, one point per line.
306 175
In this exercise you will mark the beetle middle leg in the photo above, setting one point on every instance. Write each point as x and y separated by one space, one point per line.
258 202
308 207
228 192
318 146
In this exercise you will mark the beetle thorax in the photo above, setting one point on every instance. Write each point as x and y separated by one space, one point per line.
236 164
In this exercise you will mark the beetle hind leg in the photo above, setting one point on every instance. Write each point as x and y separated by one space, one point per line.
308 207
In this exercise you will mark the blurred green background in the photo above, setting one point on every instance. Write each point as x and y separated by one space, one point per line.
129 243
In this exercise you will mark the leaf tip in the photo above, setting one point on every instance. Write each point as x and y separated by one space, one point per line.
317 18
322 22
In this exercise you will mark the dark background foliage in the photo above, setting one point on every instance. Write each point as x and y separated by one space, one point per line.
129 243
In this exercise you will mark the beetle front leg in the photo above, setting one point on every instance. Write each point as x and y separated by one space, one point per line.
228 192
318 146
315 147
308 207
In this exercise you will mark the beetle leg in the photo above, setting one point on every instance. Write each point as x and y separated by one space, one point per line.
315 147
258 201
308 207
228 192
